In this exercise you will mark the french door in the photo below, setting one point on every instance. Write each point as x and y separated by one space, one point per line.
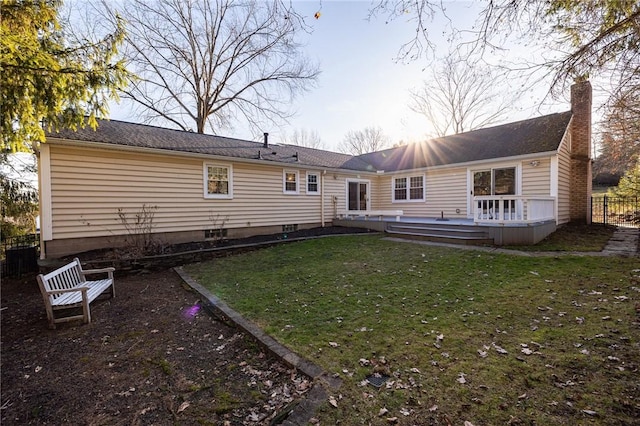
357 195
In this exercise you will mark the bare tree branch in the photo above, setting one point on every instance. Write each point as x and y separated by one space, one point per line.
460 97
370 139
209 63
582 39
306 138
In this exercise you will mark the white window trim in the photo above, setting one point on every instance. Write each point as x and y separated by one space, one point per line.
205 181
284 182
408 189
317 175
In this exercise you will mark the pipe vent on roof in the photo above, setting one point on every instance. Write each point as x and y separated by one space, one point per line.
266 140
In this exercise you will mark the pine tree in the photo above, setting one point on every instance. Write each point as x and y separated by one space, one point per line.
45 77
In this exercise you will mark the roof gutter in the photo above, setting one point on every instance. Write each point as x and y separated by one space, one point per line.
537 155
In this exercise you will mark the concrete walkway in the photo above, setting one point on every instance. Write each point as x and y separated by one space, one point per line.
623 243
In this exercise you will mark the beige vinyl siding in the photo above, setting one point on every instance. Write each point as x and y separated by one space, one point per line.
446 191
536 180
90 185
336 186
564 180
379 193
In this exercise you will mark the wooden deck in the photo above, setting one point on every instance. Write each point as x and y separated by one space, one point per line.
457 231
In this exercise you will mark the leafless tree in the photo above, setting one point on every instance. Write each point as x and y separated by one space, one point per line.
369 139
459 97
304 137
209 63
620 139
581 39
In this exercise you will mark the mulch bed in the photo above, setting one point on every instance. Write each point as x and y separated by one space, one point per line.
149 356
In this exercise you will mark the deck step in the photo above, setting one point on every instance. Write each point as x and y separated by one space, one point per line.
449 240
440 233
452 232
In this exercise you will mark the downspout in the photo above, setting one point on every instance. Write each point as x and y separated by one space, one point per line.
554 189
44 182
37 153
324 172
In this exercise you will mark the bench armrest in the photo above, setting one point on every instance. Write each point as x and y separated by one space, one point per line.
97 271
108 271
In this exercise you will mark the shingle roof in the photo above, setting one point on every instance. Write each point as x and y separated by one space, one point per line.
115 132
537 135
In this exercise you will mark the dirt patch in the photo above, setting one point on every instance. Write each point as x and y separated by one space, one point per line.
150 356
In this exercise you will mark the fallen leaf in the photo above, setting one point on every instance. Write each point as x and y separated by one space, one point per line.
392 420
483 354
433 408
405 412
589 412
382 412
467 423
183 406
461 379
333 344
333 402
415 370
500 350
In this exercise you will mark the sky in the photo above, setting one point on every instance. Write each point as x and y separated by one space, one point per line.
361 84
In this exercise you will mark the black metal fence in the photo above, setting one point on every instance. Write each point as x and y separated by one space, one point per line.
619 211
19 255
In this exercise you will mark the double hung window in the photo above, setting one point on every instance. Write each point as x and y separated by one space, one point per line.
218 181
313 183
290 181
408 188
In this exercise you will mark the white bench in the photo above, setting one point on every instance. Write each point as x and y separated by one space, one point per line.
349 214
67 287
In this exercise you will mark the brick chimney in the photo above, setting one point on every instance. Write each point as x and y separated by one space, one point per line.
580 131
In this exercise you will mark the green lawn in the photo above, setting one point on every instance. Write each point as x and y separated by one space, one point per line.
464 335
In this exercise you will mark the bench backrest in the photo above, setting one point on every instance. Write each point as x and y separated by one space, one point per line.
67 276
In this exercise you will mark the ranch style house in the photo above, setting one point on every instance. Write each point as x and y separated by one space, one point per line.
507 184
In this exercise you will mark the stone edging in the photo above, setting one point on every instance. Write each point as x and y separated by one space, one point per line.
305 409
